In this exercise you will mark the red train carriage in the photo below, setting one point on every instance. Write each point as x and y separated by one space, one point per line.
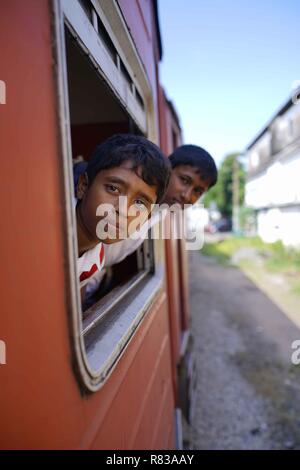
76 72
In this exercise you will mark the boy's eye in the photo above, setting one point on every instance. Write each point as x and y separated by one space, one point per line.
140 204
199 191
184 180
112 188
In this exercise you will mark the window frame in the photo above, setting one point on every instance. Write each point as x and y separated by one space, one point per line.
149 283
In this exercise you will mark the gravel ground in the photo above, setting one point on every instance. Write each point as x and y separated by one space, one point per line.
248 391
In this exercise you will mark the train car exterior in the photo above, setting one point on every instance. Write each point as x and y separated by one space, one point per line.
76 72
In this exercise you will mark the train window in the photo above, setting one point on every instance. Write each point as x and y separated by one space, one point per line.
140 99
88 8
98 98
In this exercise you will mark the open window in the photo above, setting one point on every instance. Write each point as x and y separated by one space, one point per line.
98 98
95 115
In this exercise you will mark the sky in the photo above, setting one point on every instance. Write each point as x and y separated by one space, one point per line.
228 66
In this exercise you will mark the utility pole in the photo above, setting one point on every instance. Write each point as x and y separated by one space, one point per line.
235 196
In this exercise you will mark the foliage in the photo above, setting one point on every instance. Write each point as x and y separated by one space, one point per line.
221 193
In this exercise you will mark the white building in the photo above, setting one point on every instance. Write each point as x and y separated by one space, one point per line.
273 179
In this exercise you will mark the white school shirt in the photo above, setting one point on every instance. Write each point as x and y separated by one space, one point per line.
91 262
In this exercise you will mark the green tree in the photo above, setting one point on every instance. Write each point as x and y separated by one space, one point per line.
221 193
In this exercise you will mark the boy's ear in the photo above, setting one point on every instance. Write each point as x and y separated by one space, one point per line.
82 185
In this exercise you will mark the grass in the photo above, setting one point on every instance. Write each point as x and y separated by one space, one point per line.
272 267
223 250
296 288
283 259
275 256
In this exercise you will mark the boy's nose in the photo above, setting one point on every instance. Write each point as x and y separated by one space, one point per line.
122 207
187 196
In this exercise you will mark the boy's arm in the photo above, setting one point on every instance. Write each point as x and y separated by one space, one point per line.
82 293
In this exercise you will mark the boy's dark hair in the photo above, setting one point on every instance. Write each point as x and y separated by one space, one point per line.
155 166
198 157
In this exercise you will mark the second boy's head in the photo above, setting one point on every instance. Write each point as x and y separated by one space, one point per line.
193 173
124 165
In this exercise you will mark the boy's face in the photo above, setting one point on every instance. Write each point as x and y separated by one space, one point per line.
186 186
106 188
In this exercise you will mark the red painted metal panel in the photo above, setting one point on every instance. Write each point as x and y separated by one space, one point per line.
34 324
134 417
174 304
41 404
138 18
175 255
184 280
